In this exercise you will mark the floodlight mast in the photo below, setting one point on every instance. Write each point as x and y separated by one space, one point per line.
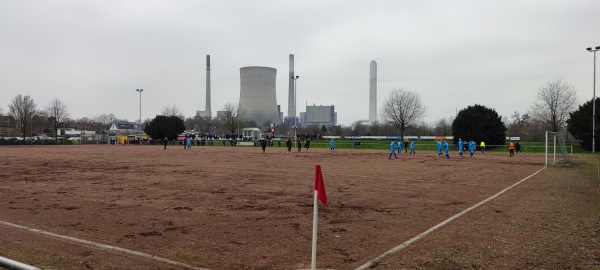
295 78
594 101
140 124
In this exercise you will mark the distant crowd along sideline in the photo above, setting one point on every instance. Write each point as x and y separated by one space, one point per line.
405 138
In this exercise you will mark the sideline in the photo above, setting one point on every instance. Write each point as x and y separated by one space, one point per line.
102 246
378 259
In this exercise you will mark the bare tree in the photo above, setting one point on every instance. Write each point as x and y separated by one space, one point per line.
313 129
443 127
403 108
232 115
171 110
375 128
56 113
518 125
104 120
358 129
554 101
22 110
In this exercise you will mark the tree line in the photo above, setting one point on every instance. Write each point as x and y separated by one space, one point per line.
402 113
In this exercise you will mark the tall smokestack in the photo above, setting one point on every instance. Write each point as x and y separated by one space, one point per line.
207 108
373 93
291 102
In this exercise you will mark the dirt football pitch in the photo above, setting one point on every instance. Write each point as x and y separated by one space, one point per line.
142 207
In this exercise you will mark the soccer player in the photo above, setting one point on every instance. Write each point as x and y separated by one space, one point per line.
288 143
393 150
332 145
400 146
446 148
263 143
471 147
439 148
460 147
482 145
511 148
412 148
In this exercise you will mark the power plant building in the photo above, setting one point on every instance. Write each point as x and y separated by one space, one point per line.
321 115
258 94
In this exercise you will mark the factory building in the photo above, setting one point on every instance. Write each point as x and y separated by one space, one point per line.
320 115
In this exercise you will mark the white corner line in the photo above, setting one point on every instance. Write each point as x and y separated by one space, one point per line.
441 224
102 246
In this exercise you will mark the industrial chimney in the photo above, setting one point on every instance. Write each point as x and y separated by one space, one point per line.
291 115
207 108
373 93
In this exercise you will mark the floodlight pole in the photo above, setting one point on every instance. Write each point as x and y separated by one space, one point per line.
594 101
140 123
295 122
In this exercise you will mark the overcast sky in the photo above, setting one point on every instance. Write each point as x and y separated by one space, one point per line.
92 55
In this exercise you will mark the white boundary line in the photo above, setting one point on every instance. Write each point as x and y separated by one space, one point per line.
102 246
441 224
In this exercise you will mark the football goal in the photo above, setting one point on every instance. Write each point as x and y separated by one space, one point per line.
555 141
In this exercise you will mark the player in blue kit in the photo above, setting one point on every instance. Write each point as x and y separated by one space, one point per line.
460 147
439 148
400 146
446 148
332 145
412 148
471 147
393 150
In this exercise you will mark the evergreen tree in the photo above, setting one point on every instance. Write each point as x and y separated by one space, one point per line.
479 123
164 126
580 125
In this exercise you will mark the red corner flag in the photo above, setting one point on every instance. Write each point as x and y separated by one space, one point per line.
319 185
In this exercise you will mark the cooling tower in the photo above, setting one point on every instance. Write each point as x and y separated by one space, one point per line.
373 93
207 108
257 94
291 101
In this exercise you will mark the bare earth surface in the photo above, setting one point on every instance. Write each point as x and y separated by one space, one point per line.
236 208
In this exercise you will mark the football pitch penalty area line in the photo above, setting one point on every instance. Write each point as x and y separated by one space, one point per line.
377 260
102 246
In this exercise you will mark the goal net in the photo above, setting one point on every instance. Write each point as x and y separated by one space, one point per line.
555 142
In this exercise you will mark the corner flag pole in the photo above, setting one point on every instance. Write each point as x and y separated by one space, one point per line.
322 196
314 234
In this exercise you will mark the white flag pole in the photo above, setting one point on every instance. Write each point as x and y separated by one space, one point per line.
314 236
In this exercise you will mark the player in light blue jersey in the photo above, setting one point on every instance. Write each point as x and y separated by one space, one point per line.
439 148
393 149
460 147
332 145
471 147
400 146
446 148
412 148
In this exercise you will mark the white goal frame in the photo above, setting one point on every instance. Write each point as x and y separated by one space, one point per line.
554 134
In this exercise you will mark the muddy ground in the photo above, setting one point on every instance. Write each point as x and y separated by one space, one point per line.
236 208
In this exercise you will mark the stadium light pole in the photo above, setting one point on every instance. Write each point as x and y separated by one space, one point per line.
295 112
140 123
594 101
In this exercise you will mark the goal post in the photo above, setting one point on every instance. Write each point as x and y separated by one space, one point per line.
556 141
553 134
